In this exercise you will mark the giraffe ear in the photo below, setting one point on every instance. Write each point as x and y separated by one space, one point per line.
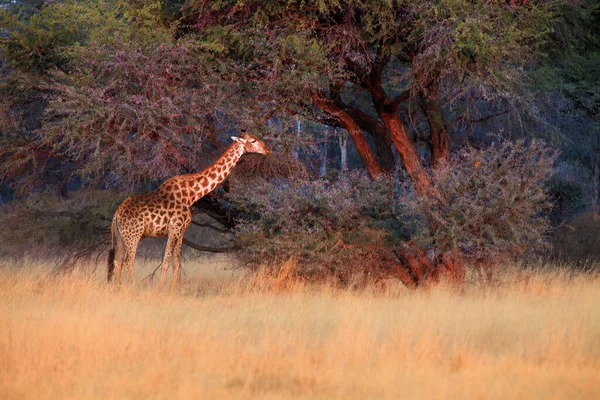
239 140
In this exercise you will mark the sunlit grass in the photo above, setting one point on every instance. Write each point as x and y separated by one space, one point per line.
227 335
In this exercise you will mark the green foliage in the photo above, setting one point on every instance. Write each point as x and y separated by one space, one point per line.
41 41
468 49
477 48
489 203
123 104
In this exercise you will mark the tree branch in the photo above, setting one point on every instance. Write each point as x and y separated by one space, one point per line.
216 228
402 97
482 119
360 143
360 73
209 249
375 128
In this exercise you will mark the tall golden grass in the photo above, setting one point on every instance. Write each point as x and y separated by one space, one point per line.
270 336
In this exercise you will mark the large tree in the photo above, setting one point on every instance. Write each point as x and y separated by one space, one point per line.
375 67
107 94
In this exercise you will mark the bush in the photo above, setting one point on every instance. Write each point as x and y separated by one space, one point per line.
55 226
487 203
331 228
570 191
577 244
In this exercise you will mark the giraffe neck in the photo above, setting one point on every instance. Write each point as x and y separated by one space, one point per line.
205 181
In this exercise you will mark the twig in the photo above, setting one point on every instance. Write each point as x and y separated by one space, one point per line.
216 228
209 249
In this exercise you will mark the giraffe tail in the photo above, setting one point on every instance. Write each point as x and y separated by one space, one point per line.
111 251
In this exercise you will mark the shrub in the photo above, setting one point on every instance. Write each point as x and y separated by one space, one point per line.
569 189
487 203
331 228
54 225
577 244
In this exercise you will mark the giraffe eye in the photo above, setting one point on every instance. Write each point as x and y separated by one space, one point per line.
253 141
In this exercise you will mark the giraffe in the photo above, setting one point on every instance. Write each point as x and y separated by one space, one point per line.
166 211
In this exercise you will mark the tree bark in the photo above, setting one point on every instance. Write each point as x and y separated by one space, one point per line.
343 142
382 141
323 166
387 109
438 125
407 151
438 129
358 138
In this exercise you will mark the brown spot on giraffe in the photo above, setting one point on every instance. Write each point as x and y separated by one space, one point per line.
166 212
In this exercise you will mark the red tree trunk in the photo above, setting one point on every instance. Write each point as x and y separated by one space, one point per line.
407 151
358 138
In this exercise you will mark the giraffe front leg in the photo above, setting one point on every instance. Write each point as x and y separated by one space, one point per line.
176 260
164 266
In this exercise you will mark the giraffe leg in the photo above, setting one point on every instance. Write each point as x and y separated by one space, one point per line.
184 223
164 266
119 253
176 260
129 259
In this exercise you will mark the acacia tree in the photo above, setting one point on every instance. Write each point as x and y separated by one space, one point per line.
119 103
378 66
120 100
131 92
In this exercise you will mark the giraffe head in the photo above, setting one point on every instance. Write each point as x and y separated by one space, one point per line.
252 144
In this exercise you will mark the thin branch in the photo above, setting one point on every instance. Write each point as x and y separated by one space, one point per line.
209 249
482 119
216 228
360 73
221 219
402 97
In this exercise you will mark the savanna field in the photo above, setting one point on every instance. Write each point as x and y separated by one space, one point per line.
226 334
400 199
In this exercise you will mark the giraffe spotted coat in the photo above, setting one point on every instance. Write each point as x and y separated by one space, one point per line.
166 211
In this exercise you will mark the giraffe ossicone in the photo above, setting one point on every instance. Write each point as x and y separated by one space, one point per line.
165 212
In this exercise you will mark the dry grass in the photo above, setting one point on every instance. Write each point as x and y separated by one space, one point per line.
228 336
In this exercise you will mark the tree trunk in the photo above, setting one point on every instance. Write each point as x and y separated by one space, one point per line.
383 144
387 109
438 128
407 151
358 138
323 166
343 141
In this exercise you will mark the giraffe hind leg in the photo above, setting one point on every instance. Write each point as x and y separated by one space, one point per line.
119 253
129 258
